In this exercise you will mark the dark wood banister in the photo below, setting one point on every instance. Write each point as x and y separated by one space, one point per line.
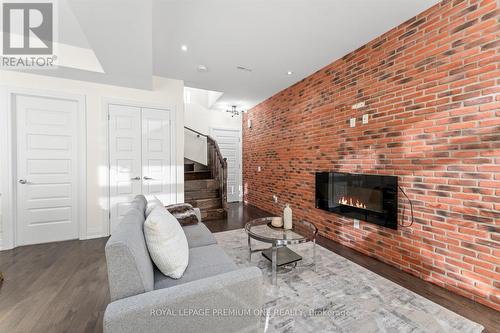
217 164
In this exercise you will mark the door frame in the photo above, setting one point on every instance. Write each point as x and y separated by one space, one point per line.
240 154
104 175
8 163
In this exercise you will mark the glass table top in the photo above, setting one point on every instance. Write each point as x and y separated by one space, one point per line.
262 230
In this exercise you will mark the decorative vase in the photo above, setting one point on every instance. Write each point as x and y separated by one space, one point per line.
287 217
277 222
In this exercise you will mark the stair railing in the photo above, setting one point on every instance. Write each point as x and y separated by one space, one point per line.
217 165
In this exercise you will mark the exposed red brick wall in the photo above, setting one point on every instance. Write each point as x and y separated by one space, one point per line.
432 91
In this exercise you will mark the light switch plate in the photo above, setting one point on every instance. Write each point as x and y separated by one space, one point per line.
356 223
259 168
275 198
365 118
353 122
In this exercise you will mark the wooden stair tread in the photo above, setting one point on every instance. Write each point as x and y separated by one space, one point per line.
213 214
206 203
201 184
197 175
201 194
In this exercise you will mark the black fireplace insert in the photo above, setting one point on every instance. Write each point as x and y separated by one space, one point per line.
371 198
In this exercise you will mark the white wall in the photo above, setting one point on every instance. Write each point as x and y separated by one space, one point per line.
199 117
165 92
202 119
195 147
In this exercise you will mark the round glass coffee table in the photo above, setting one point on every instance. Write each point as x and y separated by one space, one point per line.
279 254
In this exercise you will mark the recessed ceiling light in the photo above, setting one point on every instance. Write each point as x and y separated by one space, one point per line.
184 48
202 68
289 73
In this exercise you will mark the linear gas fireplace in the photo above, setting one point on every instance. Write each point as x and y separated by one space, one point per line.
371 198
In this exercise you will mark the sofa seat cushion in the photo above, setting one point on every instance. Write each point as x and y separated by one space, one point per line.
204 261
198 235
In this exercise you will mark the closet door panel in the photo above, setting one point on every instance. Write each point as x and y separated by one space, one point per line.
158 164
125 175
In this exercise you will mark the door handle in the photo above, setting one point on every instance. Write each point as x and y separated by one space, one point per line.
147 178
136 178
23 181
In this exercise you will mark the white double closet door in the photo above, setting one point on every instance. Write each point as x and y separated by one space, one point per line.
141 157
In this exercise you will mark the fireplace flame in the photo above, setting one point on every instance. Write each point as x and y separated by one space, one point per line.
351 202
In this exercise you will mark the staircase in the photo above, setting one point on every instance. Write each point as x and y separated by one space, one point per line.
205 186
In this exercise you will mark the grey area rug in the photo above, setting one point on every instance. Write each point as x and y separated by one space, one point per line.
339 296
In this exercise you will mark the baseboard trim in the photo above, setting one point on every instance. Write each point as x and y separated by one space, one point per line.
93 235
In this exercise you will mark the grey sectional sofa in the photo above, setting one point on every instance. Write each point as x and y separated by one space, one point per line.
214 295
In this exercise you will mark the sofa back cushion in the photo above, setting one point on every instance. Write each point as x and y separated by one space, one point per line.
140 203
130 269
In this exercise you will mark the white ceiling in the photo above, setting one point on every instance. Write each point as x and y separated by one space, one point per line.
119 32
135 39
271 37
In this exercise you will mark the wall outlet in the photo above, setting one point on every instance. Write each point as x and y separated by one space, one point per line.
358 105
353 122
275 198
365 118
356 223
249 123
259 169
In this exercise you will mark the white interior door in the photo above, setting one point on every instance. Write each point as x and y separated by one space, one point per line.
125 177
47 169
229 144
158 165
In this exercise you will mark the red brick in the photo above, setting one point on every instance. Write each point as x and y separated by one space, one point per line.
434 126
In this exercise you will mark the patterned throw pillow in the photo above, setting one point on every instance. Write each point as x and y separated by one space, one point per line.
184 213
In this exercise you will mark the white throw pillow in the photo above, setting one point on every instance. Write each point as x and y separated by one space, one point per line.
167 243
152 204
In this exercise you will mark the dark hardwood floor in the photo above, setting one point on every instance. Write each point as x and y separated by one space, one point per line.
56 287
62 287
